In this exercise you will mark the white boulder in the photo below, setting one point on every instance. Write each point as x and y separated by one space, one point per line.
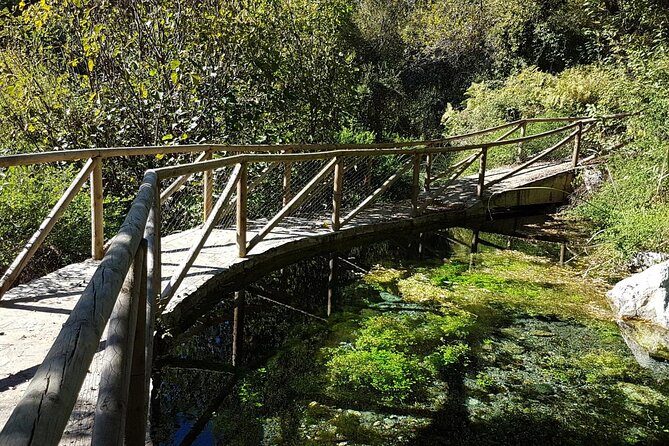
644 296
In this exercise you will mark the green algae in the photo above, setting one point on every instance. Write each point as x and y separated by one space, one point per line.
515 351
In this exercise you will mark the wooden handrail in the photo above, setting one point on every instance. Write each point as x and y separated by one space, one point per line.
111 152
42 414
186 169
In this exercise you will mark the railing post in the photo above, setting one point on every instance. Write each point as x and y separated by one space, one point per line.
241 210
415 189
428 171
337 194
577 146
111 412
287 179
482 165
208 188
140 371
238 327
97 212
523 132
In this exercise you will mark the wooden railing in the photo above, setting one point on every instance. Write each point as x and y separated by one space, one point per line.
128 279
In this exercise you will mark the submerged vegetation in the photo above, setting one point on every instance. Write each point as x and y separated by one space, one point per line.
512 350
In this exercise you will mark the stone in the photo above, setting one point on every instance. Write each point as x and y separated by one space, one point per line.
643 296
641 304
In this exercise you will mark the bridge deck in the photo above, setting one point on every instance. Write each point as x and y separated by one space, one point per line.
32 314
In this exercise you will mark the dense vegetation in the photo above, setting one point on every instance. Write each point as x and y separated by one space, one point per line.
82 73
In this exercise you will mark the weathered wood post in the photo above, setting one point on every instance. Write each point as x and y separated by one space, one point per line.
475 242
337 193
97 211
415 189
208 188
519 154
577 145
112 406
238 327
332 281
140 373
482 165
428 171
563 252
287 180
242 210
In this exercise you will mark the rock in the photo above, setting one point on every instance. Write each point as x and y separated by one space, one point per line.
644 260
643 296
641 304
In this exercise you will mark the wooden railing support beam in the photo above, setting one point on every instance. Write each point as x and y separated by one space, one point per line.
337 194
208 188
482 165
577 145
415 188
112 406
140 372
97 211
242 217
287 180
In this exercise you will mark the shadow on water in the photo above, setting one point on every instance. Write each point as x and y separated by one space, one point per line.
532 375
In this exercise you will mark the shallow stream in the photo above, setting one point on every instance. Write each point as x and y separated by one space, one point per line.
425 345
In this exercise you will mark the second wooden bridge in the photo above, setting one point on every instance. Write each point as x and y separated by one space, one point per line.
276 204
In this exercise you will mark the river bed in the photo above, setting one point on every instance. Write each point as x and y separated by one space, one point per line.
429 345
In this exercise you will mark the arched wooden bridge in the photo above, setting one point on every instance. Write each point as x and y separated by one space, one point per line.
264 207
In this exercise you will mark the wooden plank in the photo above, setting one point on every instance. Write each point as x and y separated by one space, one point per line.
415 185
209 225
207 189
482 165
577 146
242 208
20 262
177 183
380 190
294 203
42 414
97 212
112 405
337 193
287 181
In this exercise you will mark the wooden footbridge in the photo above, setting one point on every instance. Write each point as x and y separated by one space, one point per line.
82 337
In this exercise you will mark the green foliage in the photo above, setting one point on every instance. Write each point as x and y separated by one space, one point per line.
394 356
